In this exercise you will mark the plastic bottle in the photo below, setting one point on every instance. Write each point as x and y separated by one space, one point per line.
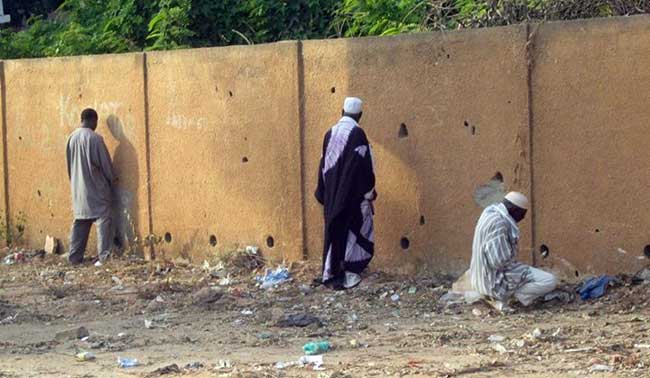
316 348
127 362
85 356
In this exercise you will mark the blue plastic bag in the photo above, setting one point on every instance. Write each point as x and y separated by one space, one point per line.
594 287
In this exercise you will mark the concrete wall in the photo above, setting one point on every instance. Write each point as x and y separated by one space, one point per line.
219 147
43 101
591 96
434 85
225 149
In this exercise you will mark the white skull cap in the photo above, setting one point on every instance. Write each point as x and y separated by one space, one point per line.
518 200
352 105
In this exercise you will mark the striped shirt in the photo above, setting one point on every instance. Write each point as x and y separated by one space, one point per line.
494 270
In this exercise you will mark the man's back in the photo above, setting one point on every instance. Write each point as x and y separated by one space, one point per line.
91 174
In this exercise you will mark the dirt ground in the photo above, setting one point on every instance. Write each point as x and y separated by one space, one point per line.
217 322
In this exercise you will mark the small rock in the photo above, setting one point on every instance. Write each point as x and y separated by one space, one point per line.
154 306
519 343
277 314
194 366
499 348
616 359
218 273
169 369
207 295
69 276
223 364
305 289
394 297
496 338
148 324
476 312
644 274
299 320
72 334
265 335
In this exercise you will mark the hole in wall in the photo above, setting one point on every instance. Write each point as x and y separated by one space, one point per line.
38 192
40 231
270 242
168 237
597 230
213 240
646 251
509 102
405 243
473 130
20 138
216 89
577 273
52 215
422 220
544 251
403 131
230 93
466 124
448 56
333 90
244 159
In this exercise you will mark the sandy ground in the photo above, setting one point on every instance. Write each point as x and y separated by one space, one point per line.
231 330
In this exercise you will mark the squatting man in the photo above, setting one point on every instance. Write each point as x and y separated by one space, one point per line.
495 272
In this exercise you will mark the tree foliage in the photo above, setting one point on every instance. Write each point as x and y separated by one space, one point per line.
72 27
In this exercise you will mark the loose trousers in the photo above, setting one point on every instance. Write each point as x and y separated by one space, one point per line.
79 238
539 284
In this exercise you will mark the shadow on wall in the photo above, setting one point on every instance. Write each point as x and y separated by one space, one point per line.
125 201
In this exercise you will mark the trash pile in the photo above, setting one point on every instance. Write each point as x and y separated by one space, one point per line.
135 308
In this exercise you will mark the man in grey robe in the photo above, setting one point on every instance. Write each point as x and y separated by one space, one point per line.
92 179
495 272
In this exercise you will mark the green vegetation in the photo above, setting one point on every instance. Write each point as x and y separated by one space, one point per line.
72 27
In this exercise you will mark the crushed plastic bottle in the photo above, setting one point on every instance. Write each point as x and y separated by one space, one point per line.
85 356
314 348
127 362
274 277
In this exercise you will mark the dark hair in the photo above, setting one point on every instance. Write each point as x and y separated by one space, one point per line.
89 115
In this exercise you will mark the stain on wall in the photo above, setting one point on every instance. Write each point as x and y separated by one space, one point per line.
225 149
44 100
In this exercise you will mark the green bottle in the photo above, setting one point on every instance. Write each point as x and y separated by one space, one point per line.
316 348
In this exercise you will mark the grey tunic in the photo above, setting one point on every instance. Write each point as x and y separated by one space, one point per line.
91 174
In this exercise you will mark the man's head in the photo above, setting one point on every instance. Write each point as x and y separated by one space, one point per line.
89 119
517 205
352 107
